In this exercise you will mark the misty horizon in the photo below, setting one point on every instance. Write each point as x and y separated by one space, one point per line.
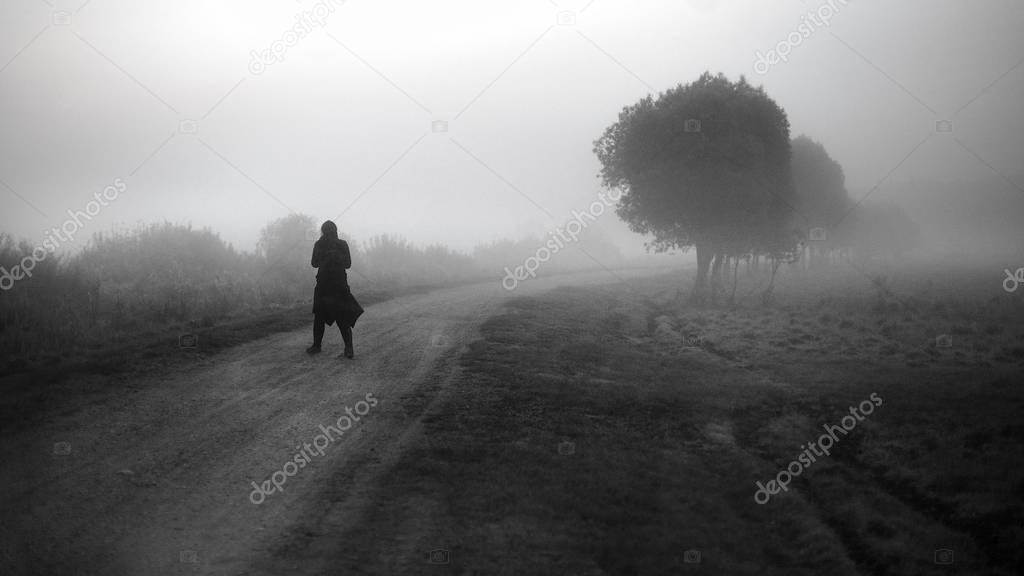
478 120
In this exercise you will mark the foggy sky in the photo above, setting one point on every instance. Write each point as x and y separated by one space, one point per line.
342 126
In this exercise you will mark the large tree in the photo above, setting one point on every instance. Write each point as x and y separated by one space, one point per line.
704 165
819 183
822 199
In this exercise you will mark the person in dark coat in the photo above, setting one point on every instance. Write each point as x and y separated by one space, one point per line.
332 299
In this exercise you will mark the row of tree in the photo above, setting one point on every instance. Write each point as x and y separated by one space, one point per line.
710 165
836 224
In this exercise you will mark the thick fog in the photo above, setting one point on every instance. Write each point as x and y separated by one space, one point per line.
462 122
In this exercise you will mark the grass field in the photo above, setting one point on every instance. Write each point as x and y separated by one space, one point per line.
619 430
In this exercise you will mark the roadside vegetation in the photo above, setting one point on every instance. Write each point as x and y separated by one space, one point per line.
170 286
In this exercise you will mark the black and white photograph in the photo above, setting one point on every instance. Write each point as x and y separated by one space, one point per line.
511 287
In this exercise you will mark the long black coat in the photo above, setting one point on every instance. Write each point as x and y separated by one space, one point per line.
332 298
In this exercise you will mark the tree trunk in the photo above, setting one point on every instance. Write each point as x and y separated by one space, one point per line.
703 261
767 295
716 276
735 271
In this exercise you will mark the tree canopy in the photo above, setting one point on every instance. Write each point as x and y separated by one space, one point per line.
819 183
705 164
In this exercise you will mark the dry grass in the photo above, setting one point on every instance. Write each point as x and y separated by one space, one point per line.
676 411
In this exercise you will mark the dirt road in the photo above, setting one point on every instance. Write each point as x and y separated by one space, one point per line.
154 474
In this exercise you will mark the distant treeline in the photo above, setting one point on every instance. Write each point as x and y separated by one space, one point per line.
980 217
162 277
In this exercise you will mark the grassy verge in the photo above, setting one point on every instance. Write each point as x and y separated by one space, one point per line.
28 392
611 432
199 341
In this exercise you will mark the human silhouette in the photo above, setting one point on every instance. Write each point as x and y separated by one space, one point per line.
332 299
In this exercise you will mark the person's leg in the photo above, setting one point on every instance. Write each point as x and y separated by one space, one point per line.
346 334
318 334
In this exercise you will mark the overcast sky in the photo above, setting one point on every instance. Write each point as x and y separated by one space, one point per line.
165 96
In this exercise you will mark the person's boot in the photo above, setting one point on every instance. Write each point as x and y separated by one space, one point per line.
318 336
346 335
